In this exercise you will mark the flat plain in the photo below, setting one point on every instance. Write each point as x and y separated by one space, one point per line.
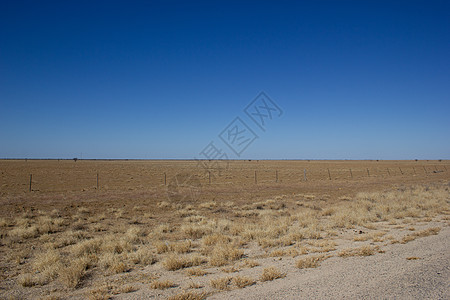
189 230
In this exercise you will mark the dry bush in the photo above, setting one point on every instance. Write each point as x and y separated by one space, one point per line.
221 283
26 280
310 262
250 263
271 273
284 252
427 232
222 254
67 238
214 239
181 246
87 247
48 264
20 233
143 256
196 272
193 285
407 239
162 285
413 258
188 296
114 263
195 231
176 262
161 247
71 275
322 246
135 235
101 293
361 238
231 269
242 281
360 251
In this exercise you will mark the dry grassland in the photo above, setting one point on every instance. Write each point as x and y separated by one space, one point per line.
129 236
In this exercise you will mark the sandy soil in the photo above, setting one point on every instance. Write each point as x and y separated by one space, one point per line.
382 276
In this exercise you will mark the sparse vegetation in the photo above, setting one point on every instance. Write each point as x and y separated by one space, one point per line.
161 285
271 273
310 262
88 240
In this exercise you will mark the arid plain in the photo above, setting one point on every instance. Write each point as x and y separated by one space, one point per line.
190 230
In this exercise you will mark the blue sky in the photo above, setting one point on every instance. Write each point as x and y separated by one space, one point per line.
162 79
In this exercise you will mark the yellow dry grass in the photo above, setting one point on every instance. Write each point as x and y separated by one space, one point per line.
271 273
78 238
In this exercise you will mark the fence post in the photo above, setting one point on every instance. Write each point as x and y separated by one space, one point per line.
445 168
276 174
165 178
389 172
368 174
31 180
351 174
329 175
97 180
256 180
401 170
209 173
304 175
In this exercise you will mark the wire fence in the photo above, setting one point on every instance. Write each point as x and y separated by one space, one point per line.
55 180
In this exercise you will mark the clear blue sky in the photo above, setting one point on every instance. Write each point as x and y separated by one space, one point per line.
162 79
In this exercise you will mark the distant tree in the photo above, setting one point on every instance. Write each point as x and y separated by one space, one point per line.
75 159
416 159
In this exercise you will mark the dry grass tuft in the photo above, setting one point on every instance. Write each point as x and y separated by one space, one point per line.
176 262
360 251
181 247
193 285
196 272
413 258
221 283
162 285
143 256
427 232
26 280
188 296
72 274
250 263
222 254
310 262
242 281
271 273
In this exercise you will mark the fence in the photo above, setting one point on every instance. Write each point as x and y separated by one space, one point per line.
97 180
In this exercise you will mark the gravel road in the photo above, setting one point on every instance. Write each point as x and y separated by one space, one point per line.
382 276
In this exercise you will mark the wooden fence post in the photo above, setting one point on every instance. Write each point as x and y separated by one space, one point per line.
304 175
31 180
97 180
165 178
209 173
401 170
276 174
368 174
389 172
329 175
256 179
351 174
